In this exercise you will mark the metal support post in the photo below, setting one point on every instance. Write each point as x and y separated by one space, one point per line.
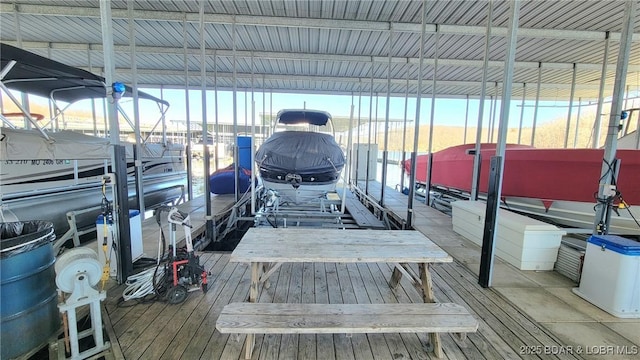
475 180
216 135
109 67
359 118
466 121
603 79
121 208
573 90
433 112
404 133
524 95
205 127
575 137
136 112
491 213
187 112
608 175
535 106
486 261
385 152
416 133
366 177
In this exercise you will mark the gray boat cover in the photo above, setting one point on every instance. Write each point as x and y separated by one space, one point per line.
29 144
300 152
22 144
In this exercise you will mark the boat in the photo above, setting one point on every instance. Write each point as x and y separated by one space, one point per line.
300 165
46 173
557 185
223 181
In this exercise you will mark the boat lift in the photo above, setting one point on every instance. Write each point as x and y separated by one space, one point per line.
324 211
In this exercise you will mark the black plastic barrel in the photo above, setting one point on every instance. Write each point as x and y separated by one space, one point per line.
28 297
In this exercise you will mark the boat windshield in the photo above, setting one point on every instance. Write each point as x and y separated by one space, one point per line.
303 120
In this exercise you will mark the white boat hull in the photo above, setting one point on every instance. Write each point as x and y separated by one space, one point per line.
574 214
302 194
53 205
48 189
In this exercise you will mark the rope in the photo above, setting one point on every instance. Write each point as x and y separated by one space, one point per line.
262 161
140 285
332 164
105 217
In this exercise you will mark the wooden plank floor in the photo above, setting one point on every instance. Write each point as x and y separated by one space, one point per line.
362 216
220 204
545 296
158 330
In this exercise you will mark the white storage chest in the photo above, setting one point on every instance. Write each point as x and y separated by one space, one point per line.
611 275
523 242
361 151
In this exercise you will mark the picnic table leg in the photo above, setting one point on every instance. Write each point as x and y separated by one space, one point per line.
395 277
253 297
428 297
263 270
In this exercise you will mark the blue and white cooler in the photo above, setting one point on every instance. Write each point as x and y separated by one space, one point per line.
611 275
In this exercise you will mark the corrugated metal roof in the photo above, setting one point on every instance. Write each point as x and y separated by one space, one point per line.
332 46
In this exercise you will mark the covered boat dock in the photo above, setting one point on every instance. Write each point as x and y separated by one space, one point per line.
526 314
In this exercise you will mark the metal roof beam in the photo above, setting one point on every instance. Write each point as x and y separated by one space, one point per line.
342 79
276 21
312 57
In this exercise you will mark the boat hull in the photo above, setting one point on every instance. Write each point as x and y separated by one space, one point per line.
300 166
305 193
575 214
558 184
48 189
53 205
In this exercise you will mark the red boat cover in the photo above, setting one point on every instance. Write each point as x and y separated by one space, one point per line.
547 174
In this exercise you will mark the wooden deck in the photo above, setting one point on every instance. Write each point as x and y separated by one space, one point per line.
220 204
362 216
523 314
544 296
187 331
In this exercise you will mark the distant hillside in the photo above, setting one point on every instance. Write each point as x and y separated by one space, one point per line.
549 135
73 118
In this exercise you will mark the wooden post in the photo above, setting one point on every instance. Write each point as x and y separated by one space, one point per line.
253 297
428 297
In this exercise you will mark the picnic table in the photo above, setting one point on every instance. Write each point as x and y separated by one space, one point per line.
266 249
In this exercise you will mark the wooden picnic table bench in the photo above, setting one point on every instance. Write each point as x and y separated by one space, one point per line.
267 248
